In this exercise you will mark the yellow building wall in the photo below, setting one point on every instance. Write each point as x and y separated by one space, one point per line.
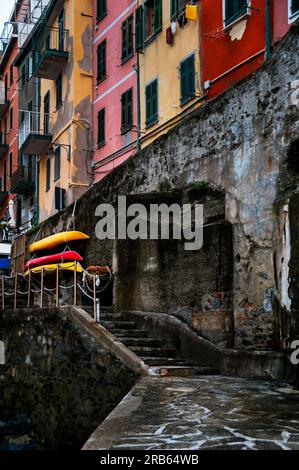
72 123
162 61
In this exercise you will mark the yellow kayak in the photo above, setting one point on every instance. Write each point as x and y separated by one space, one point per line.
51 268
56 240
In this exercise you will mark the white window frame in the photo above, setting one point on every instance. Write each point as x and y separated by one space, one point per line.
291 16
247 13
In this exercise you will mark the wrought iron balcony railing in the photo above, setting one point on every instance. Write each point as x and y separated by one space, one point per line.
23 180
35 132
51 53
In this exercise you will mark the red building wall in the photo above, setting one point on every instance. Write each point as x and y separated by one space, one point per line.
229 55
107 94
282 19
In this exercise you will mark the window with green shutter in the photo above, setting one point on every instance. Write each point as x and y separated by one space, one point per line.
187 75
59 91
151 98
139 29
127 111
177 7
101 53
127 38
101 9
57 163
152 18
101 127
294 7
48 175
234 9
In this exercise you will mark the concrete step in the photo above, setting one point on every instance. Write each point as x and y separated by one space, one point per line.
122 333
141 342
153 352
125 325
166 361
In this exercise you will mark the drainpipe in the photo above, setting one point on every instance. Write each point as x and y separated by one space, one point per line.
138 105
268 29
37 191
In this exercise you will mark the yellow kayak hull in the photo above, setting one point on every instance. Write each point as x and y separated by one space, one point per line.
52 268
56 240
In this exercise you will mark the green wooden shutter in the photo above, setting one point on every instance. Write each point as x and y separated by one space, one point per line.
124 49
102 61
191 77
158 16
139 28
101 127
151 97
294 6
173 9
130 35
101 9
187 76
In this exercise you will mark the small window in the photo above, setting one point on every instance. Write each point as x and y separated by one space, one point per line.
101 9
151 96
101 127
11 119
152 18
10 165
48 175
57 163
293 9
59 198
127 38
59 91
101 75
23 76
177 7
187 75
4 176
11 74
28 68
234 9
127 111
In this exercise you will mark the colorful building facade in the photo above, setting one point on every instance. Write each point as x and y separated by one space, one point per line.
170 75
114 84
233 35
285 12
9 117
56 127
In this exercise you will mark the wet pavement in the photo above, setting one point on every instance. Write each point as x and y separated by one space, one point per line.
210 412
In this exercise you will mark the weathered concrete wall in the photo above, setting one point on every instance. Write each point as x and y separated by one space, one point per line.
237 143
57 375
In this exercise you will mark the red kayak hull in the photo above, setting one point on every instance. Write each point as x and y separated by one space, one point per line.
53 259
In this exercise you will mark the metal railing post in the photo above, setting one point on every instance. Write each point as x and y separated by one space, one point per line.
75 284
3 293
15 293
57 286
42 289
94 299
29 289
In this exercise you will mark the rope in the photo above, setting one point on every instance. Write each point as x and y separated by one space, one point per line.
84 292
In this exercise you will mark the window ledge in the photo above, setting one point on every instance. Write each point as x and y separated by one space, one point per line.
151 38
229 26
126 130
184 101
293 17
98 20
99 81
126 59
150 124
101 145
59 106
56 179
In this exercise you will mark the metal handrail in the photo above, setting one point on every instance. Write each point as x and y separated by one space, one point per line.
34 122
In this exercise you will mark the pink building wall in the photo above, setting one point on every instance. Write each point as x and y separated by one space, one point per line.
107 94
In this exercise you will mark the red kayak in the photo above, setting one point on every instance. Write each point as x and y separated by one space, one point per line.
53 259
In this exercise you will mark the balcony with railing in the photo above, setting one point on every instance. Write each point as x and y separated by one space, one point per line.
51 53
3 145
23 180
35 12
35 133
4 102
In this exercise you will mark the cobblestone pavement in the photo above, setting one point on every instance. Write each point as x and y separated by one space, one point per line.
211 412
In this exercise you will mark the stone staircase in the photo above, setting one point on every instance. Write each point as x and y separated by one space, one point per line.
161 358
